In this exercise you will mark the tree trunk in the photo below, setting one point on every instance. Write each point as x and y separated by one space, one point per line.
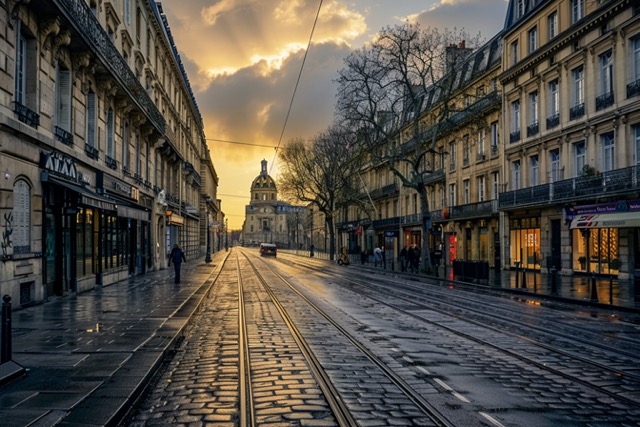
332 237
425 252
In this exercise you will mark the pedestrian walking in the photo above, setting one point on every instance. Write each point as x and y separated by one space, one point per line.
364 258
403 258
177 257
311 249
416 258
377 256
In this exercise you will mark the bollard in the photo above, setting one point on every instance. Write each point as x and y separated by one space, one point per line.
594 291
5 348
611 290
554 279
517 276
524 277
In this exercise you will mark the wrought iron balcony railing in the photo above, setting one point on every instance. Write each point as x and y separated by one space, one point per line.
474 210
514 136
553 121
92 152
25 115
582 187
533 129
633 89
111 162
576 111
604 101
63 136
87 26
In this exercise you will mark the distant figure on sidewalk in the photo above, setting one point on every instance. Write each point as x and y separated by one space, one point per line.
403 258
177 256
377 256
311 249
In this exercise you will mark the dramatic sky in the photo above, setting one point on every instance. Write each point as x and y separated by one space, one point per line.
243 58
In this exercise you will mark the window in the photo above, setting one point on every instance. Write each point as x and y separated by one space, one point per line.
452 155
110 127
608 152
554 160
534 172
554 98
580 156
127 12
578 86
520 8
467 191
137 154
494 138
25 77
63 104
481 138
91 119
21 217
533 108
126 151
514 52
481 192
552 22
466 150
635 59
606 73
515 116
452 195
495 185
533 39
515 172
636 132
577 10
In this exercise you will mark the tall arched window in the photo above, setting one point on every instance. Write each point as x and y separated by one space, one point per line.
21 217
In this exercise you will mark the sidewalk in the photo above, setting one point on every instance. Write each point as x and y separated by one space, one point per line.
86 357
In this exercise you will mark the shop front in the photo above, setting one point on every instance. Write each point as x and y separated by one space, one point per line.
604 238
76 228
133 222
524 242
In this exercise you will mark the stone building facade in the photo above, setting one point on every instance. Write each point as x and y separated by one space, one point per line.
102 147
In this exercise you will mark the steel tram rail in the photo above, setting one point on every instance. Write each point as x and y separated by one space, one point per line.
429 410
338 407
247 409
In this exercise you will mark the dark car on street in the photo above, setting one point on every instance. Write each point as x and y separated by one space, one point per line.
268 249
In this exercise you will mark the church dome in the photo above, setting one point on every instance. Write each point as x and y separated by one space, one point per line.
263 187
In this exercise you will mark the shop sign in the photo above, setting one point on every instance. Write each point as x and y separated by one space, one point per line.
392 233
117 187
59 164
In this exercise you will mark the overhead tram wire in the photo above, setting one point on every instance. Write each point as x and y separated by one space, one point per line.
295 89
240 143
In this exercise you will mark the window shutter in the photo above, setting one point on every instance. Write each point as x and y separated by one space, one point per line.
91 119
64 100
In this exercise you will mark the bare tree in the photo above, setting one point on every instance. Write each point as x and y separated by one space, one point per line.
322 172
399 92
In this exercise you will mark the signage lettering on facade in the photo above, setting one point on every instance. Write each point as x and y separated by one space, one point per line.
60 164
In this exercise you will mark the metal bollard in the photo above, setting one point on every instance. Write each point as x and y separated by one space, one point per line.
594 290
554 281
524 278
611 290
5 348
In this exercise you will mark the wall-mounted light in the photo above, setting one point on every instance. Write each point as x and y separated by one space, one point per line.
7 175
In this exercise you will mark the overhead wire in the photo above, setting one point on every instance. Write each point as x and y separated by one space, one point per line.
295 89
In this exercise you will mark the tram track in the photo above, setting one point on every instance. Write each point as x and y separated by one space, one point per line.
620 374
407 390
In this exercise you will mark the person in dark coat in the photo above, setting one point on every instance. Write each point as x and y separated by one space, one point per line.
177 257
403 258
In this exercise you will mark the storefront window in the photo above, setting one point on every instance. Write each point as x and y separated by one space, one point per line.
525 242
602 256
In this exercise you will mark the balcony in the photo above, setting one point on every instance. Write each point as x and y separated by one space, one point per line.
25 115
111 162
63 136
92 152
553 121
88 28
576 111
431 177
605 184
533 129
604 101
474 210
633 89
387 222
514 136
386 191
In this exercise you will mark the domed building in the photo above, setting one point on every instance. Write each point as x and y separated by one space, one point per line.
269 220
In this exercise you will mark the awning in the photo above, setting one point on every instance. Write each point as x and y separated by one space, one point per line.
127 212
86 196
609 220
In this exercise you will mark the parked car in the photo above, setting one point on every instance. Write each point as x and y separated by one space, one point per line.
268 249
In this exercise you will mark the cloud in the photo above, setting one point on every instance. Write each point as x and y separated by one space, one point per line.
464 14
